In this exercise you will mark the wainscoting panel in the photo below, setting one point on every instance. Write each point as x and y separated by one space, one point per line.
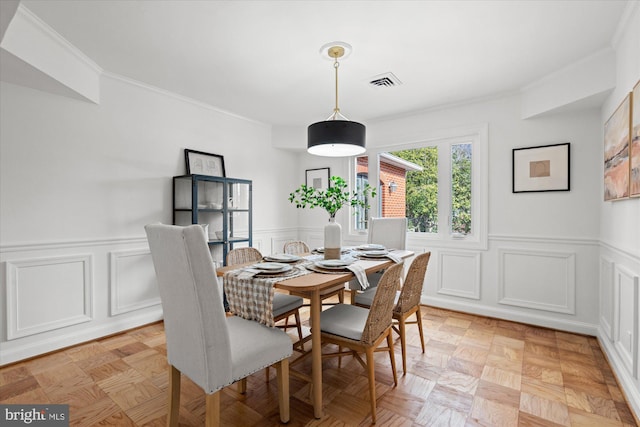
132 281
459 274
540 280
626 321
44 294
277 244
606 295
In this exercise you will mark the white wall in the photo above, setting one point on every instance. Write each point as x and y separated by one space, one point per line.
556 232
78 182
619 261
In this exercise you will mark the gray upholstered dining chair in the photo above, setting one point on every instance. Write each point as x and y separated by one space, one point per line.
212 349
407 302
284 305
389 232
362 330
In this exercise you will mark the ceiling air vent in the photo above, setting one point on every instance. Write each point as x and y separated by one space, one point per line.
385 80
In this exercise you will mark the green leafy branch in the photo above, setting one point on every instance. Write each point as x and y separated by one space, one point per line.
333 198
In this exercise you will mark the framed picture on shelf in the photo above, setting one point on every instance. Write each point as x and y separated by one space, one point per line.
317 178
202 163
635 142
616 152
542 168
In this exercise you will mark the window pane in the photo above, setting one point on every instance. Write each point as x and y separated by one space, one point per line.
362 179
461 188
418 185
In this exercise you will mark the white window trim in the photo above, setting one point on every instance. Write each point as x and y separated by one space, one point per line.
479 136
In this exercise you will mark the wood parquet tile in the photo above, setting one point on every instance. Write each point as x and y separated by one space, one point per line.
476 371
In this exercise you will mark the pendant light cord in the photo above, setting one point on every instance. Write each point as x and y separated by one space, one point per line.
336 110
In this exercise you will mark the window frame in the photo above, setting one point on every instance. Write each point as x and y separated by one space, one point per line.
444 140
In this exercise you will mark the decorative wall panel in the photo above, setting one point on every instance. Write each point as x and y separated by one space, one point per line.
44 294
539 280
132 281
606 296
626 320
459 274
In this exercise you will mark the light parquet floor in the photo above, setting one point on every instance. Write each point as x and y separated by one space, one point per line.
476 371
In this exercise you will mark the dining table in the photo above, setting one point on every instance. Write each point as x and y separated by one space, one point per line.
312 286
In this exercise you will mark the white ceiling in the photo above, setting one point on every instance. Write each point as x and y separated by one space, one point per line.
261 60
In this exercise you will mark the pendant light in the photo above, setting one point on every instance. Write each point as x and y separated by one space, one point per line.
337 136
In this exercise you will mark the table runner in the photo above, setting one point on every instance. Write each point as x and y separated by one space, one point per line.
250 294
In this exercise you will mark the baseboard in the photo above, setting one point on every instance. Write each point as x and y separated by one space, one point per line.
57 342
625 379
513 315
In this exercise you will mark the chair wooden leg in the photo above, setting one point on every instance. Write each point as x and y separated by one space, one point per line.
353 294
298 326
242 386
393 358
174 397
212 415
282 370
419 320
403 343
372 382
341 297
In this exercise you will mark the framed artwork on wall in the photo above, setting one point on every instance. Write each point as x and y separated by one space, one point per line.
616 152
317 178
201 163
634 150
541 168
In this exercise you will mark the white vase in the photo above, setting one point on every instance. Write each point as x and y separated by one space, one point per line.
332 239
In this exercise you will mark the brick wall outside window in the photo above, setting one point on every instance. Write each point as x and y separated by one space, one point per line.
393 204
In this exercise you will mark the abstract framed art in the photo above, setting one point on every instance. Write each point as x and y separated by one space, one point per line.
616 152
634 149
541 168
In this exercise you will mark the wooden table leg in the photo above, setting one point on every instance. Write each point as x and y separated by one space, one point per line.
316 354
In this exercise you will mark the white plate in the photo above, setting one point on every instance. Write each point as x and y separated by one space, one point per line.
271 266
371 247
287 268
334 263
320 250
375 254
282 258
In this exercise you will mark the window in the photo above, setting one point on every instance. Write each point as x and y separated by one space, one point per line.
461 161
421 188
361 214
439 184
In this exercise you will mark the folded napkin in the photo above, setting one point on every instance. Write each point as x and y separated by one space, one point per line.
360 274
247 273
395 258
